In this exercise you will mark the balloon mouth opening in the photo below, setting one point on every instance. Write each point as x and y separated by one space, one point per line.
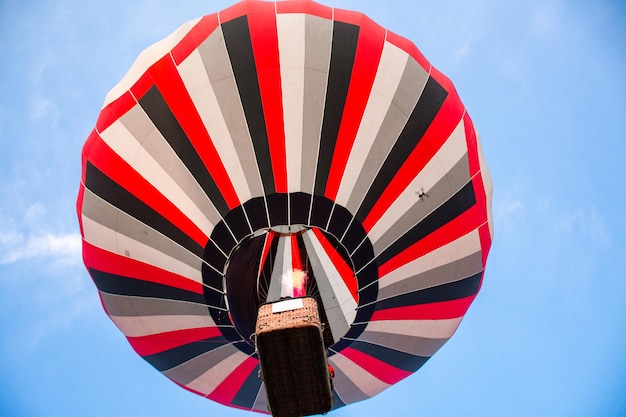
290 245
284 262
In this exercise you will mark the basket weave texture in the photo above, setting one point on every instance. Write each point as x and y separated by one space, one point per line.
293 360
308 315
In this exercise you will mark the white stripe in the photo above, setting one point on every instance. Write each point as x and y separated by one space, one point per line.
388 77
487 183
208 381
137 326
366 382
339 304
199 86
146 58
291 44
453 149
430 329
460 248
121 140
108 239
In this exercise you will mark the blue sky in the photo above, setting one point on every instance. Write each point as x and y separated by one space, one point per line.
544 83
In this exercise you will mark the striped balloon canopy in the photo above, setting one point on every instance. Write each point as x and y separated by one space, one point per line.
274 143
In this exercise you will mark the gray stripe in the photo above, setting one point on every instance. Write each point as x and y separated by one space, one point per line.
260 403
282 257
194 368
141 127
406 96
420 346
110 216
217 64
318 39
452 272
125 306
339 326
446 187
347 390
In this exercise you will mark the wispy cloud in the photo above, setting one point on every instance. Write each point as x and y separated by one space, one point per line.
28 237
506 208
582 222
50 272
63 249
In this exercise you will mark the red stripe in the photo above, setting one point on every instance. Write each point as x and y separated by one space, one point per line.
381 370
79 208
481 196
266 250
112 263
106 160
367 58
345 271
264 37
86 151
460 226
443 81
349 16
160 342
296 262
226 391
236 10
485 242
435 136
484 231
304 6
143 84
114 110
92 139
433 311
194 37
410 48
472 145
182 50
175 94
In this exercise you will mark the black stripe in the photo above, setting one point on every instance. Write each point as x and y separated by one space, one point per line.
245 346
213 279
237 223
395 358
363 255
158 111
353 333
421 117
299 207
320 211
339 221
446 292
110 191
171 358
247 394
222 237
239 46
448 211
354 236
257 213
278 206
337 402
345 39
120 285
214 257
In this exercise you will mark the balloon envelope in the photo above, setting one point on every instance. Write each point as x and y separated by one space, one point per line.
274 139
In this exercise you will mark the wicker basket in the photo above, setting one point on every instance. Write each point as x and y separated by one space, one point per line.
293 359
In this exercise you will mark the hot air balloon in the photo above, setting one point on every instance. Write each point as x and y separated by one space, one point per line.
274 140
